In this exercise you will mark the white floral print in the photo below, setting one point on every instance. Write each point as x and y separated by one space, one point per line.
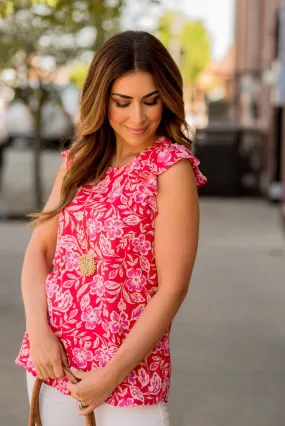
93 315
81 356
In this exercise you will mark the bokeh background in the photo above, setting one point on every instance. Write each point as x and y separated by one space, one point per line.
228 339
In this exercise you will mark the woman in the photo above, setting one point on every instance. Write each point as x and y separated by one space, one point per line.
115 244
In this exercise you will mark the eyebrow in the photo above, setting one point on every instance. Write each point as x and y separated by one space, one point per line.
129 97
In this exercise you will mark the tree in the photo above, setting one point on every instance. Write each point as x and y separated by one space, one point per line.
38 39
189 43
38 36
11 6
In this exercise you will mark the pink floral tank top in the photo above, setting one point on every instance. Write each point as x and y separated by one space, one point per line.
93 315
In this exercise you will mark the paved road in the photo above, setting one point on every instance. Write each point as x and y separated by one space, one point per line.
228 341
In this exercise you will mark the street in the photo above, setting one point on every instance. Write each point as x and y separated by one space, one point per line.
228 340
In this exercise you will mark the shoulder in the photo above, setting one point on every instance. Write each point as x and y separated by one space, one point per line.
176 158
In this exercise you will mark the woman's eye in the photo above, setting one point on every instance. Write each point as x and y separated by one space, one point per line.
152 102
122 105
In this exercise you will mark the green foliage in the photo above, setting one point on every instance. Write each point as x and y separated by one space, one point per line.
78 74
196 47
10 6
33 31
194 41
164 27
36 29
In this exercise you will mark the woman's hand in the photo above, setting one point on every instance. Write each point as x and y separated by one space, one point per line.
48 354
93 389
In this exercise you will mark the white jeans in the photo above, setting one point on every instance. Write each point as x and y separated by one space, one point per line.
60 410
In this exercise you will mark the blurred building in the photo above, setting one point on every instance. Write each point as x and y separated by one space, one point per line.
259 101
218 77
214 91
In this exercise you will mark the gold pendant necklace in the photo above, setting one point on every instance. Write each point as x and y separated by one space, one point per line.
86 262
87 265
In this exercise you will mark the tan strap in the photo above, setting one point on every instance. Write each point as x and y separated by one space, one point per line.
34 418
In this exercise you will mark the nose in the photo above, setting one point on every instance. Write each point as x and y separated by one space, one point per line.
137 115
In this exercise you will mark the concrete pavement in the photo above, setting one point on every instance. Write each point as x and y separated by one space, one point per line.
228 340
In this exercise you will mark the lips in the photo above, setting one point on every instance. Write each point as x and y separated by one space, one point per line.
139 131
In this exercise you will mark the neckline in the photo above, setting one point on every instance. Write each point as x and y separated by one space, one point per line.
110 168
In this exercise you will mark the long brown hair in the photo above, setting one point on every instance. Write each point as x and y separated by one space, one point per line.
95 143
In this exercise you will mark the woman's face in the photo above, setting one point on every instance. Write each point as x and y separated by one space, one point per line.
135 109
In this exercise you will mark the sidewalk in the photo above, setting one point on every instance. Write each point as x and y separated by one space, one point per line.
228 349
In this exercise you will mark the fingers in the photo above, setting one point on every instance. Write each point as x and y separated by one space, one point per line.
50 371
77 373
49 357
45 374
63 356
58 370
86 411
75 392
42 372
72 389
39 372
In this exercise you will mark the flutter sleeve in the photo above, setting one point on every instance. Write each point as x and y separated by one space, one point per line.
171 154
155 162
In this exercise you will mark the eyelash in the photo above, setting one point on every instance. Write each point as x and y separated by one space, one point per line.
146 103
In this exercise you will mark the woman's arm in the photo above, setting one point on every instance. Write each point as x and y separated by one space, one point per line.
37 264
176 240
